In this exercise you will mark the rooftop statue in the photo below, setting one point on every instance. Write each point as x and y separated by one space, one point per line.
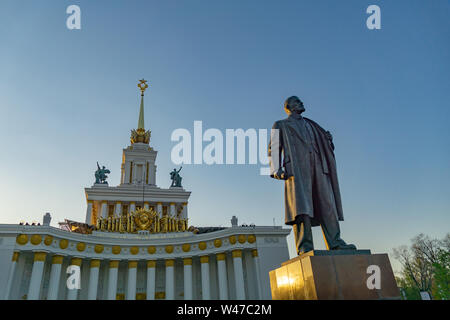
100 175
302 154
176 178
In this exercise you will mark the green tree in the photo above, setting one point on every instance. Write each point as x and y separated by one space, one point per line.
441 279
407 288
425 267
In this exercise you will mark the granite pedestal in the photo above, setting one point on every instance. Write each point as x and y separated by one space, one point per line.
333 275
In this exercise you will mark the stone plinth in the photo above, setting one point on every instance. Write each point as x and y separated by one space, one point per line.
100 185
333 275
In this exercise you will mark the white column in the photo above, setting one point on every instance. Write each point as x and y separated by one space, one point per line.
172 210
187 262
122 173
170 281
151 268
132 206
206 292
55 276
146 206
36 276
12 271
131 285
93 279
133 175
72 294
144 168
90 203
141 175
222 273
238 274
258 275
104 209
152 174
112 279
118 210
126 178
159 209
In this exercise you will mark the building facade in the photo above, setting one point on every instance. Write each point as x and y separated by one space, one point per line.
136 243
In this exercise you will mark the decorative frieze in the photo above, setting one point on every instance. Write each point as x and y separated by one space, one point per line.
143 219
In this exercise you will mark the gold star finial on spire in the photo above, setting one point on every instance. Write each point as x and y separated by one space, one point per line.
142 85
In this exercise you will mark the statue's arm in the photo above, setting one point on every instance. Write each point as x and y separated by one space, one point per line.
326 133
275 152
329 136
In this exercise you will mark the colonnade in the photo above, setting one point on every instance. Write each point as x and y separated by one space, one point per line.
130 290
173 209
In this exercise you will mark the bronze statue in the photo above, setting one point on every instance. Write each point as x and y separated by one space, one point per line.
302 154
176 178
100 175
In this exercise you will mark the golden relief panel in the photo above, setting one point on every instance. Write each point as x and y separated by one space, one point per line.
142 220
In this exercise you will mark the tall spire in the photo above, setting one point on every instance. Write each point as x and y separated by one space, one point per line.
142 85
140 135
141 114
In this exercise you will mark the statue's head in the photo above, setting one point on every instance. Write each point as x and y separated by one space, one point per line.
293 105
103 168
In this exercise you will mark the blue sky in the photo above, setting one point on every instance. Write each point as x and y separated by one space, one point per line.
68 98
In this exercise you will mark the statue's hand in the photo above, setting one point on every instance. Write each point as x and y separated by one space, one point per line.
280 175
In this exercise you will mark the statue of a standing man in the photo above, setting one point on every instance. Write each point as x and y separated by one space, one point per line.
301 154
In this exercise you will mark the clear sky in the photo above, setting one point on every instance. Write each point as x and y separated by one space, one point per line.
68 98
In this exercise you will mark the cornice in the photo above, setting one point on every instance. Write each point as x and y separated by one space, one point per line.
177 240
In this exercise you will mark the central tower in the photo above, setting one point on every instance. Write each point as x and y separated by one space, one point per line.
138 159
137 188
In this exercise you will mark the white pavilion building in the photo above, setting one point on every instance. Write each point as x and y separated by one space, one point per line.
136 244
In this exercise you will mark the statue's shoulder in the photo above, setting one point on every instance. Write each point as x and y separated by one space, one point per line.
315 124
279 123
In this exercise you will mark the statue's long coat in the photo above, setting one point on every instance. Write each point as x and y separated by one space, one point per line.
295 150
